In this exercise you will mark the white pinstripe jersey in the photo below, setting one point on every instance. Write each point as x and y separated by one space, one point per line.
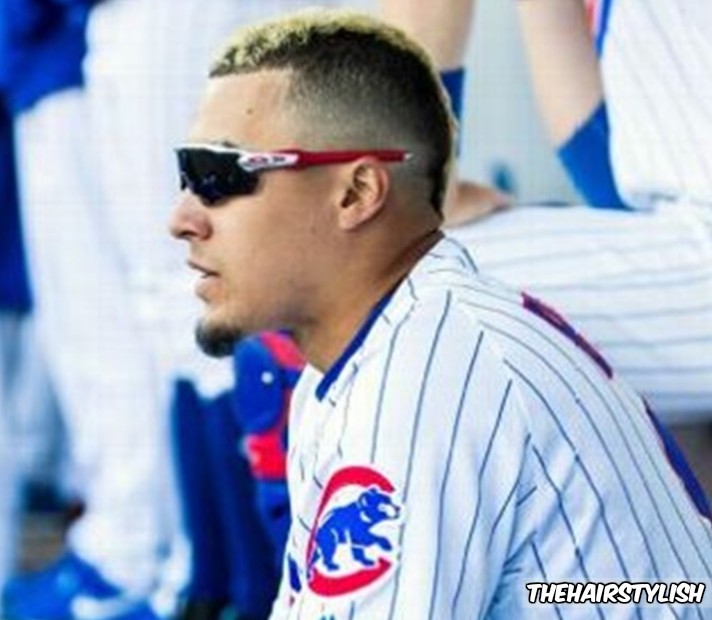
657 67
462 447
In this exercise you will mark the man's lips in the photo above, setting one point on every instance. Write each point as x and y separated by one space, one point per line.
202 270
206 281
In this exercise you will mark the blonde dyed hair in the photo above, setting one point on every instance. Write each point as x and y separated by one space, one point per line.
355 82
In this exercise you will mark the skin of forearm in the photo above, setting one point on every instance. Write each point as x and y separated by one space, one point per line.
441 26
563 63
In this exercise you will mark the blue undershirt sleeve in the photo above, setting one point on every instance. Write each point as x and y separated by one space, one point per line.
454 82
586 158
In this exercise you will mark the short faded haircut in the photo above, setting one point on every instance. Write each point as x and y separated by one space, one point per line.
356 83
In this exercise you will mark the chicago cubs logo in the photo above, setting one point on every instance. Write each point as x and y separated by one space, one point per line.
351 543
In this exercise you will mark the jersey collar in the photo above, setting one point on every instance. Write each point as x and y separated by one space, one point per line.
446 250
333 373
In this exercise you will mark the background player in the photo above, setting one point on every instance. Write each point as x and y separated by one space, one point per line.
102 366
14 303
637 282
496 396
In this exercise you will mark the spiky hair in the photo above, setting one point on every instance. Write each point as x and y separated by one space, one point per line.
355 82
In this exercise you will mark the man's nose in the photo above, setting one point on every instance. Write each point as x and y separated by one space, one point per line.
189 218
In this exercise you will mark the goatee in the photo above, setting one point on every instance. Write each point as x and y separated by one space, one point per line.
217 341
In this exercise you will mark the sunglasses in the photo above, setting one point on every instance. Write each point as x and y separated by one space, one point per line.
215 172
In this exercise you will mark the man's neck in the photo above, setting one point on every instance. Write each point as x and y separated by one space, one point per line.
352 301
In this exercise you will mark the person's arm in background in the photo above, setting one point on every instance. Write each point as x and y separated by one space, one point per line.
563 63
569 91
443 28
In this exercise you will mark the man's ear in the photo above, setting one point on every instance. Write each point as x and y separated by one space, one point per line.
363 193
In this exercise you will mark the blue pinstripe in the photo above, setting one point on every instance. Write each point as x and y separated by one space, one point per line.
615 421
540 566
702 154
510 495
416 426
565 518
347 406
382 389
538 361
526 495
605 447
476 517
666 487
303 523
583 468
456 425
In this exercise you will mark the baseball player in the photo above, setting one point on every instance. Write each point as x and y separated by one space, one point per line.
636 280
144 78
14 302
452 440
144 70
27 415
101 366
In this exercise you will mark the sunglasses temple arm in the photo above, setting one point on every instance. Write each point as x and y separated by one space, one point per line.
315 158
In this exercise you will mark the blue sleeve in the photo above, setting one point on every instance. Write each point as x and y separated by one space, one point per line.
14 284
258 389
30 19
454 82
586 157
43 44
85 4
679 463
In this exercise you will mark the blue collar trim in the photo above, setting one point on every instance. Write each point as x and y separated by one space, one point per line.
603 25
333 373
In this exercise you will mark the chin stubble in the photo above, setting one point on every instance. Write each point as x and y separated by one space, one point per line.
217 340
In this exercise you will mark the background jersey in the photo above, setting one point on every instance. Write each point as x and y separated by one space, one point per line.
267 367
638 284
469 442
657 65
14 283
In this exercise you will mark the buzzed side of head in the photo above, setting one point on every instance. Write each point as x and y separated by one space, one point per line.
356 83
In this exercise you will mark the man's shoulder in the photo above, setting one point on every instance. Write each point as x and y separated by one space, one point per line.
470 297
515 324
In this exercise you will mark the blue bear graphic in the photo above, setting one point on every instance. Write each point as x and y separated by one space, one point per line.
351 525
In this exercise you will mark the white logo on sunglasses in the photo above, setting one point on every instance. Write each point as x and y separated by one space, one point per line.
253 162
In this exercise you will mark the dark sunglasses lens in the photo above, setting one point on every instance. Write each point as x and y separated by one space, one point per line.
214 176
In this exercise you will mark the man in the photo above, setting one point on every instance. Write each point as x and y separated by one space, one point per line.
145 78
451 440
